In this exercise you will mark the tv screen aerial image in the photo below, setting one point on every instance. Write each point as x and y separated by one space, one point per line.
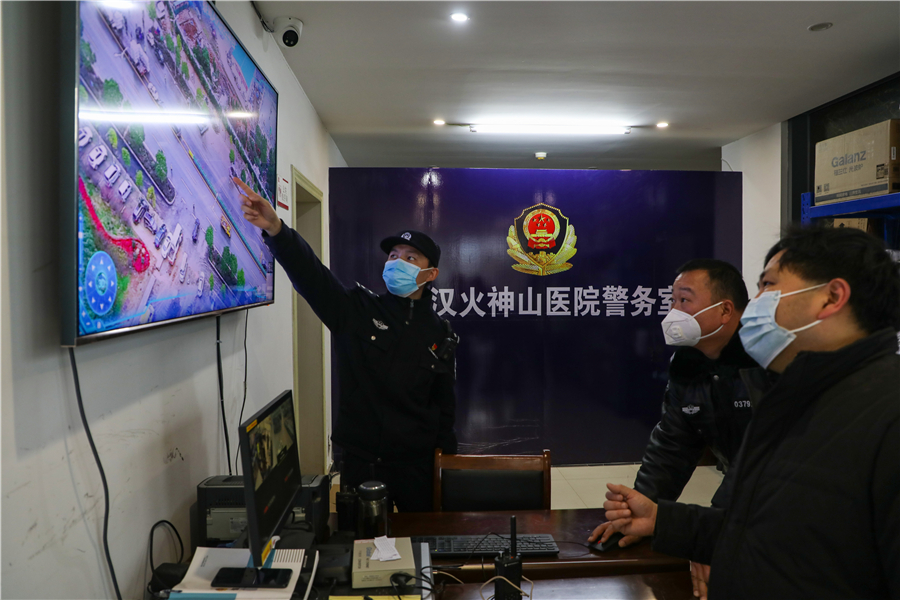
170 108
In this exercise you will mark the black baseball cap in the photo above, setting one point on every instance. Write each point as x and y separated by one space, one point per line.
417 240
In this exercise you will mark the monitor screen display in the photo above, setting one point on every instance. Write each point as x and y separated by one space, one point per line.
268 443
170 107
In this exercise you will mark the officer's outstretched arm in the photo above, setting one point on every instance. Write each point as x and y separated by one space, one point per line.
325 294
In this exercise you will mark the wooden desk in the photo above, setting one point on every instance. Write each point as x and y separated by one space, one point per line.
649 586
570 525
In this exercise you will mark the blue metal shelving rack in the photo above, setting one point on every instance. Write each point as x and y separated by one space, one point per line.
885 207
876 207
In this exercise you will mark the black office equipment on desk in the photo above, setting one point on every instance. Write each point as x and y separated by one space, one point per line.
462 546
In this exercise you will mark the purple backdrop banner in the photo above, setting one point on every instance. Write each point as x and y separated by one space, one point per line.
556 281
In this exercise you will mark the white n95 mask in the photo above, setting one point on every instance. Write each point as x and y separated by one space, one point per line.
682 329
762 337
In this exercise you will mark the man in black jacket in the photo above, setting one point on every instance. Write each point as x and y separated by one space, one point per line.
394 356
705 403
814 503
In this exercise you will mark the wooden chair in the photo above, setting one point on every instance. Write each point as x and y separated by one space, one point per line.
490 482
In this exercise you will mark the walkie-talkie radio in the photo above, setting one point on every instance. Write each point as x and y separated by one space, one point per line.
448 345
509 565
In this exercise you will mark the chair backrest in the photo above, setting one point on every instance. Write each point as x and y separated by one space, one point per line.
465 482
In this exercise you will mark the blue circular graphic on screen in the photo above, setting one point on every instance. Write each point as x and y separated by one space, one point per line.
100 283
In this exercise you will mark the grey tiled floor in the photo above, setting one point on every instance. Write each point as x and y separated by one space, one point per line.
585 487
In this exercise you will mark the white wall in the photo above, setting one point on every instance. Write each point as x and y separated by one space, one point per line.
151 397
759 157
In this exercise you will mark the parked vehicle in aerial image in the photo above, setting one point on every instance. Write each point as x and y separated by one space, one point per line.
140 210
112 173
226 225
196 231
160 235
125 189
150 221
183 270
97 156
200 281
85 135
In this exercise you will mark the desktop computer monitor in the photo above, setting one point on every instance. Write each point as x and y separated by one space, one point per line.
271 463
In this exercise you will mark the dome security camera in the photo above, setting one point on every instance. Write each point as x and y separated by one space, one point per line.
287 31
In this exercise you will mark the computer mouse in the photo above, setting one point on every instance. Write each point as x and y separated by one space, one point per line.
612 542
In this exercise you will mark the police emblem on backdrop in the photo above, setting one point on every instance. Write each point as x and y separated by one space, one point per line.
541 240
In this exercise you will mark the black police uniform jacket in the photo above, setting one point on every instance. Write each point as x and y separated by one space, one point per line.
814 507
397 402
705 404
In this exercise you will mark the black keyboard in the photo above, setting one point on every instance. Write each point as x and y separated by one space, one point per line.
463 546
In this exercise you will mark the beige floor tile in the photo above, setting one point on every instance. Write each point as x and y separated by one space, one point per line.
555 475
599 472
702 486
563 496
593 491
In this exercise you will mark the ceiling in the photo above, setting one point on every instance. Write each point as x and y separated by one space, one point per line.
380 73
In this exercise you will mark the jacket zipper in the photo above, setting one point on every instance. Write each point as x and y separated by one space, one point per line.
411 302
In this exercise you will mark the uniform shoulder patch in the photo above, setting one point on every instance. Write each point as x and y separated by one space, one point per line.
690 409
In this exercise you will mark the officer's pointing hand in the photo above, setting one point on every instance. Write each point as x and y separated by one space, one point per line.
257 209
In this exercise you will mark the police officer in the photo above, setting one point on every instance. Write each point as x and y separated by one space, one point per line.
394 356
706 403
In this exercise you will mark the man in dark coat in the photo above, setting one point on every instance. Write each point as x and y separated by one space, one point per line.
705 403
814 503
395 358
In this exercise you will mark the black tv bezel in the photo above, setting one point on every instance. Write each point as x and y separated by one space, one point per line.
70 45
254 520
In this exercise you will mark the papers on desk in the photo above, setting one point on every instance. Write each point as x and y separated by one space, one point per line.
197 583
385 549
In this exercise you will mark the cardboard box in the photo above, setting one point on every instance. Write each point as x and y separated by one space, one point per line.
858 164
368 573
861 224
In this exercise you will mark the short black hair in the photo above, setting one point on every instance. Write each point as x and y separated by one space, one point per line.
820 254
725 281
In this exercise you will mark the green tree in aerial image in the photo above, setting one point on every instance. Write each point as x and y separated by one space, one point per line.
139 179
202 55
111 93
87 55
212 282
185 71
209 238
82 94
151 194
199 96
231 155
136 134
113 138
126 157
162 170
169 43
151 11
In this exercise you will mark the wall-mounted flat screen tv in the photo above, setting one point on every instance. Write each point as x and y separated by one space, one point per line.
166 108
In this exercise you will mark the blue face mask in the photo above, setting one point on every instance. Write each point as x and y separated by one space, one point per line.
762 337
400 277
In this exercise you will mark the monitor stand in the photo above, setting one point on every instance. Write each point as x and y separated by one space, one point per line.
252 578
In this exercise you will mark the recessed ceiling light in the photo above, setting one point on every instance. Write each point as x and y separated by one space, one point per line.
662 125
439 122
820 27
460 17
